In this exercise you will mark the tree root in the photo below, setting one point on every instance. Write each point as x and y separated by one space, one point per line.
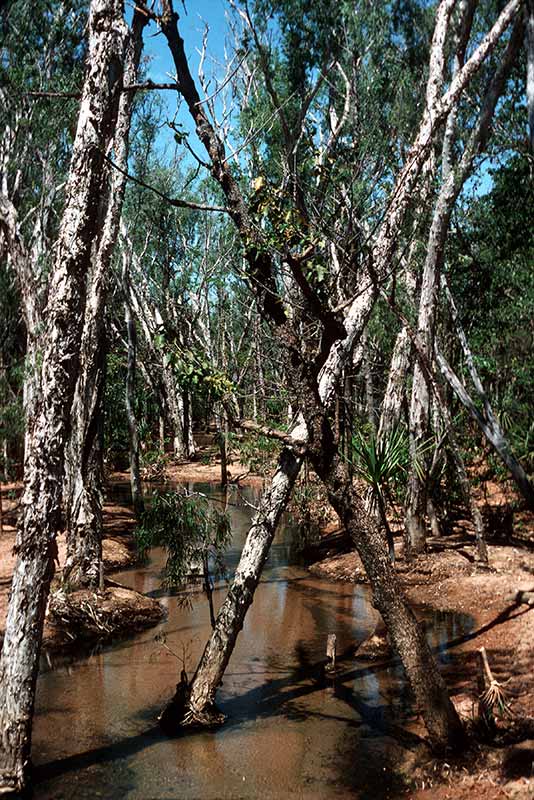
178 713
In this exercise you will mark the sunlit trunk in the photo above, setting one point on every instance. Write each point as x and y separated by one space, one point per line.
84 456
49 422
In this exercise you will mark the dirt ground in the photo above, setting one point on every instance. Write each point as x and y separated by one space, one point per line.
451 579
199 471
117 546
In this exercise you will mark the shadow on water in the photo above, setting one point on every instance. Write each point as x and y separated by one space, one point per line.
292 731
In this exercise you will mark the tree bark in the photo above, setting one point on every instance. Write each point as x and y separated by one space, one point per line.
135 474
48 428
432 698
84 458
453 180
231 616
419 419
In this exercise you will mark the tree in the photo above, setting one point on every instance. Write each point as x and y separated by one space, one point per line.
48 423
313 375
84 457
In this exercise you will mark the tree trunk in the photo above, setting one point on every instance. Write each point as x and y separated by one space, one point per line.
188 426
135 475
451 187
84 457
48 426
434 704
174 407
419 423
232 613
394 395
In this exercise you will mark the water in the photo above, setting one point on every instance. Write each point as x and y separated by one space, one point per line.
290 732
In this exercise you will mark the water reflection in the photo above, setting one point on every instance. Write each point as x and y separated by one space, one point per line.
292 732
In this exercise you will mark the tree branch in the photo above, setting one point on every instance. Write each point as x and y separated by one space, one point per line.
173 201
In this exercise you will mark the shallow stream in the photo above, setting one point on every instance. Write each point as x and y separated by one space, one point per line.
290 733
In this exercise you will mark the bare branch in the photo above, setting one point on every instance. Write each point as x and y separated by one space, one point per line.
173 201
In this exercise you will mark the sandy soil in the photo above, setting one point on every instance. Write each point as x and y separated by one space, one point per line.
452 580
197 472
117 546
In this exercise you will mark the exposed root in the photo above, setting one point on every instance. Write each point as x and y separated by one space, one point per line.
209 718
178 714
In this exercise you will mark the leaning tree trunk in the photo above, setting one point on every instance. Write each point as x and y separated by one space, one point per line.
48 427
408 638
231 616
84 458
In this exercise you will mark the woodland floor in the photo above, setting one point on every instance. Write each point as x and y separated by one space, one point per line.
118 610
447 578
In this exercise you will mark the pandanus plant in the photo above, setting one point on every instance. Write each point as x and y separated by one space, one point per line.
380 462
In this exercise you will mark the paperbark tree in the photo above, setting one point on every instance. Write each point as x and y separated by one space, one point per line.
148 308
338 341
83 456
48 426
454 177
131 331
419 419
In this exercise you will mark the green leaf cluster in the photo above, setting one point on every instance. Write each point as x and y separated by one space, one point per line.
189 528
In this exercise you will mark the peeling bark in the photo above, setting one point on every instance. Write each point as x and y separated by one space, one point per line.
48 427
84 457
135 474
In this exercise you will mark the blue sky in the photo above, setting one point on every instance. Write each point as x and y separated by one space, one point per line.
192 26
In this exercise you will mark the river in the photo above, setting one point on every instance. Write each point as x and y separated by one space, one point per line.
290 733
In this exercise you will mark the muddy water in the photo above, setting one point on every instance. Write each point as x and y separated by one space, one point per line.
290 733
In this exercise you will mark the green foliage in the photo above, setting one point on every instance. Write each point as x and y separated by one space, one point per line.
116 432
491 255
194 372
153 461
257 453
189 528
381 463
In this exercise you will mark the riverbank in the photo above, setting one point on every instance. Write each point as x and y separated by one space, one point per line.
86 617
447 579
450 579
82 617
